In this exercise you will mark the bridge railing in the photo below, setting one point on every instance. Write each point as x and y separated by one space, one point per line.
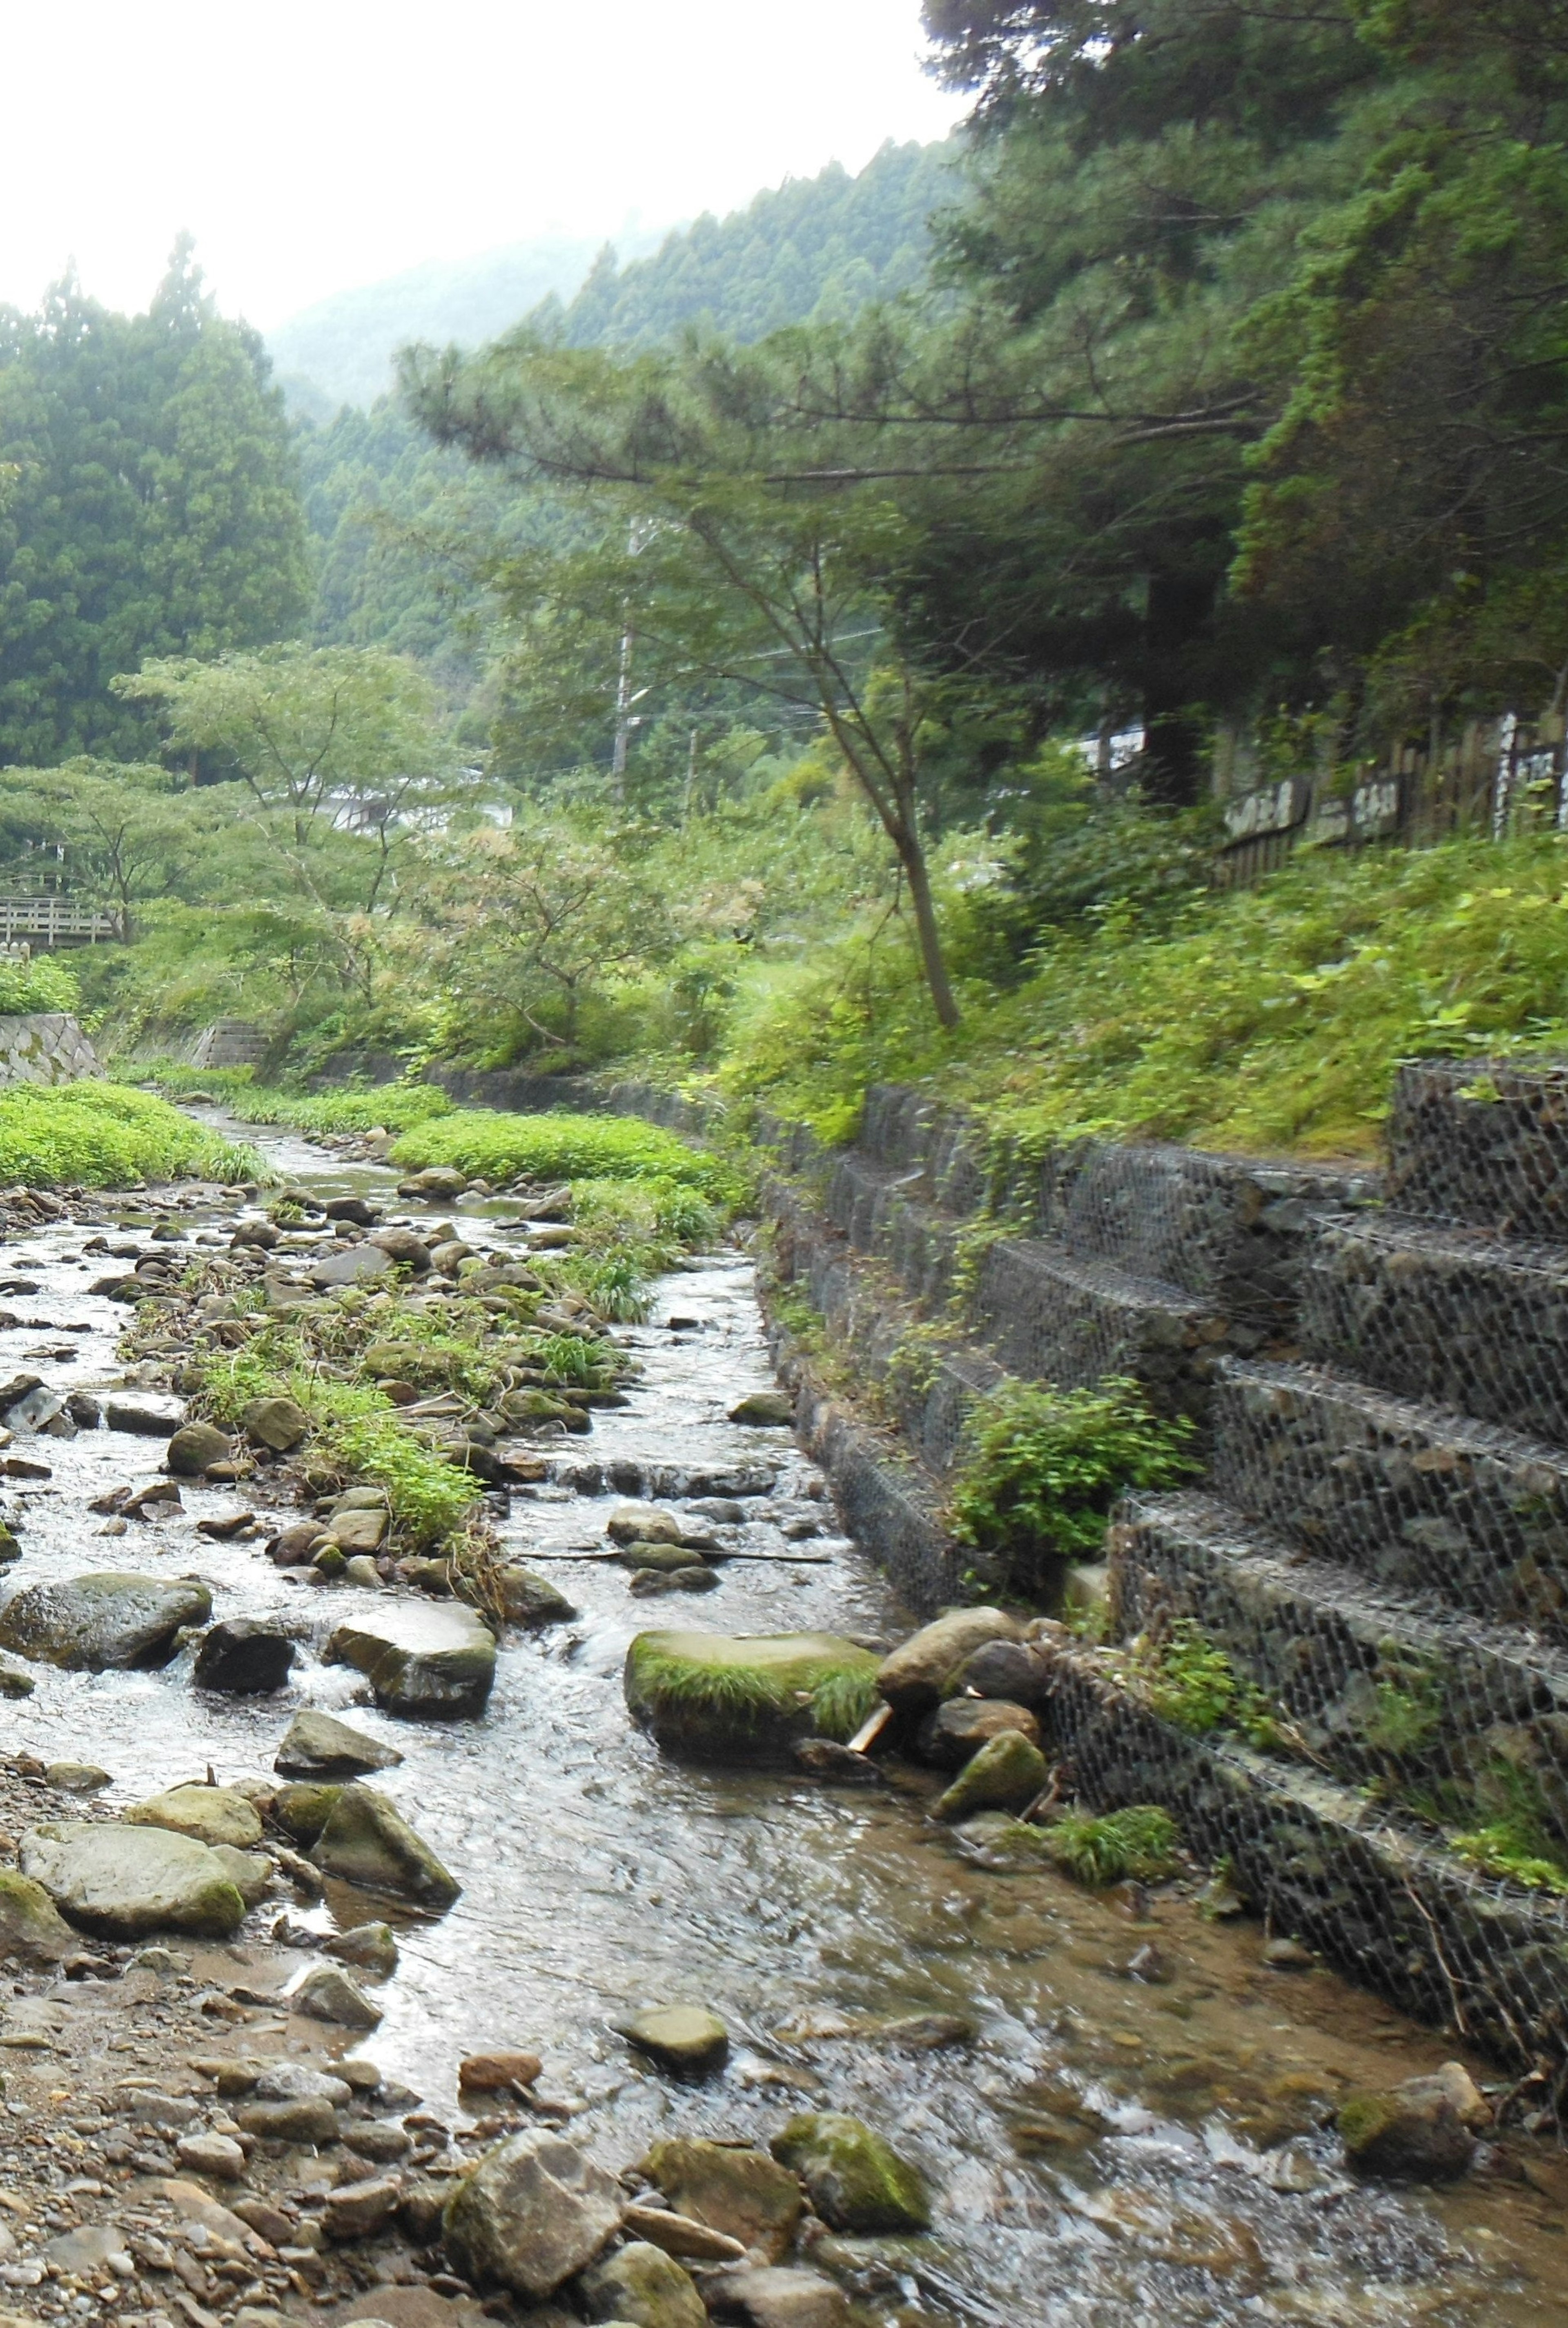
53 920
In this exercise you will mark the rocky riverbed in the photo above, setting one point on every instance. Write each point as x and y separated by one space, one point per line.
909 2077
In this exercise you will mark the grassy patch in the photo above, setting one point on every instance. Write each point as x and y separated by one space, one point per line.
1040 1469
1140 1844
710 1688
502 1149
100 1135
390 1107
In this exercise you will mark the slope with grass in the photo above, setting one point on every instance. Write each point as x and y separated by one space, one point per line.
1266 1021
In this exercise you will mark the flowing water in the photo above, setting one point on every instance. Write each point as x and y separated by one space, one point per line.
1114 2146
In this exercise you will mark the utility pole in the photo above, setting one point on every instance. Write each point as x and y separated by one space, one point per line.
623 717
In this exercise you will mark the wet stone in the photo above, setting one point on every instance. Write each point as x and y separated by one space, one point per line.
244 1657
208 1814
856 2180
641 2285
102 1620
122 1883
958 1729
685 2038
533 2212
328 1994
196 1445
366 1842
424 1661
744 2193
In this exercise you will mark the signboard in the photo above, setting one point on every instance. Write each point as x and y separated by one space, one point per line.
1276 809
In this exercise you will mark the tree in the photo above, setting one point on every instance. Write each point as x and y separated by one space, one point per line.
126 834
730 549
152 508
332 745
532 921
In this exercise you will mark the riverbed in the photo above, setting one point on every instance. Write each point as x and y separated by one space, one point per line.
1135 2129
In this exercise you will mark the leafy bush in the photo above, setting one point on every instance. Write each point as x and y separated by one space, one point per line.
45 983
550 1148
429 1498
1140 1844
1040 1469
99 1135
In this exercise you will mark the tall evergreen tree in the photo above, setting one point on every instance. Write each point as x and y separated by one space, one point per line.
150 507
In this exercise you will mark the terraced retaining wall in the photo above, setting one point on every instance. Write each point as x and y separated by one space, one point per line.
1378 1369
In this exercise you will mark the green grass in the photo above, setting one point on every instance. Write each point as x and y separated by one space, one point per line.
1264 1020
101 1135
1140 1844
390 1107
502 1149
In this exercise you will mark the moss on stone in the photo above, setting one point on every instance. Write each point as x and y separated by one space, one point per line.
856 2180
748 1698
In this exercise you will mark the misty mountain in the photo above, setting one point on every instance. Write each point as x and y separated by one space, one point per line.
341 350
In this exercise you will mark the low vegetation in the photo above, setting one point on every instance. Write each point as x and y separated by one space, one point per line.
1040 1469
1139 1844
99 1135
505 1149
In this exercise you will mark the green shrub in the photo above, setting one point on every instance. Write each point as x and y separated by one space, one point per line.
45 983
1140 1844
553 1148
1040 1469
1190 1680
101 1135
429 1498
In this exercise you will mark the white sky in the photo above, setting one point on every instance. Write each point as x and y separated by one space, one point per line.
315 145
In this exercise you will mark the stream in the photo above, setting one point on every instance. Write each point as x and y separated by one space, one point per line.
1114 2147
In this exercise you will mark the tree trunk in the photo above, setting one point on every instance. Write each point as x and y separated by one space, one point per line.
1175 742
912 857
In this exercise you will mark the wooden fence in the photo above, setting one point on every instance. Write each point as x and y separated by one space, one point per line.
1498 777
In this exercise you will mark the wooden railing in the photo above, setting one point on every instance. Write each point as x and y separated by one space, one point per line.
53 920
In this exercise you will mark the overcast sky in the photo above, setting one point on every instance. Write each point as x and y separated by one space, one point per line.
314 144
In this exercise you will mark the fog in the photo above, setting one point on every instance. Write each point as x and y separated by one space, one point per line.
313 147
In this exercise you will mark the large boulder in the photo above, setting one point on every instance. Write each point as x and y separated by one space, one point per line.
855 2180
141 1412
315 1746
365 1841
278 1423
354 1264
914 1678
123 1883
30 1926
529 1599
424 1660
244 1657
747 1699
964 1724
208 1815
642 2287
534 2210
744 2193
95 1622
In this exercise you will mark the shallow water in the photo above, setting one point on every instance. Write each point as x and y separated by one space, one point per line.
1109 2150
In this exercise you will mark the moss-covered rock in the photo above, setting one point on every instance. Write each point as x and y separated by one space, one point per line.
855 2180
1414 2133
30 1926
747 1699
123 1883
304 1810
366 1842
640 2287
1005 1774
